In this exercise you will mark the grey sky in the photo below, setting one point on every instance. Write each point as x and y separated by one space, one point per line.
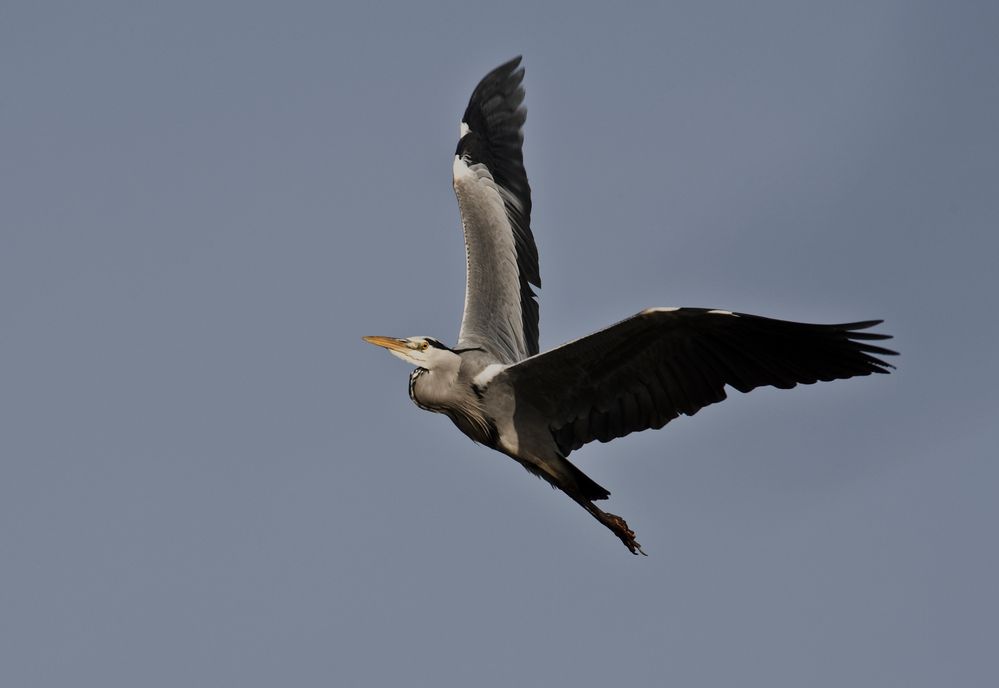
207 479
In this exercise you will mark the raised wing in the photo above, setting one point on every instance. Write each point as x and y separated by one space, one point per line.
501 311
645 371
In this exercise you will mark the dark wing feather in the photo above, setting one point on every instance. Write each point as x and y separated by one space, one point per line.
645 371
501 310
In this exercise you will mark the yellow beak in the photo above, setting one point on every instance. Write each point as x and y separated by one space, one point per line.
390 343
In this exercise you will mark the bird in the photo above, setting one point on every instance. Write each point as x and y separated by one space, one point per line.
638 374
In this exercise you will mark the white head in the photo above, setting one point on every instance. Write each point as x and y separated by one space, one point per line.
423 352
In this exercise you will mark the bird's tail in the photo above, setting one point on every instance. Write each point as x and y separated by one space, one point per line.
563 475
585 486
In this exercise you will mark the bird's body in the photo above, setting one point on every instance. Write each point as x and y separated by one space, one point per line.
638 374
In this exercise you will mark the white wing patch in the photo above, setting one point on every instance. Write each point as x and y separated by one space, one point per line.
463 130
460 169
478 173
669 309
488 373
721 312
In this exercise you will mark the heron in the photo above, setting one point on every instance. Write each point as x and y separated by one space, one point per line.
641 373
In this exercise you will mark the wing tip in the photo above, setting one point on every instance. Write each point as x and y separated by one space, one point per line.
510 65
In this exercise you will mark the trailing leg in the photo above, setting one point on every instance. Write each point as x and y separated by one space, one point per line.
616 524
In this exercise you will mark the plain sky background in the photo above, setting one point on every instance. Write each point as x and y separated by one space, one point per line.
207 479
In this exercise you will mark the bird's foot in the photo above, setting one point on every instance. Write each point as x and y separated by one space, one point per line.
620 528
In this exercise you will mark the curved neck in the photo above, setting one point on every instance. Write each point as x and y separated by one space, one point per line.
434 386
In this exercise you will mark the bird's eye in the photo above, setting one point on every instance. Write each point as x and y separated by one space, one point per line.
424 345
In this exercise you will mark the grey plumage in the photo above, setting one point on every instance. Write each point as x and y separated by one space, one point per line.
638 374
494 198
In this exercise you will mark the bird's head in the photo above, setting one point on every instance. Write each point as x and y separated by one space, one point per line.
423 352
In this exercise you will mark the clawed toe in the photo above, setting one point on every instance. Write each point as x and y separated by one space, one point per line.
620 528
614 523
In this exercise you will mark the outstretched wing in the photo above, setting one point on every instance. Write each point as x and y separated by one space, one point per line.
645 371
501 313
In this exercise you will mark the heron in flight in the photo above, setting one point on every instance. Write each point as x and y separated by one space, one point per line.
641 373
